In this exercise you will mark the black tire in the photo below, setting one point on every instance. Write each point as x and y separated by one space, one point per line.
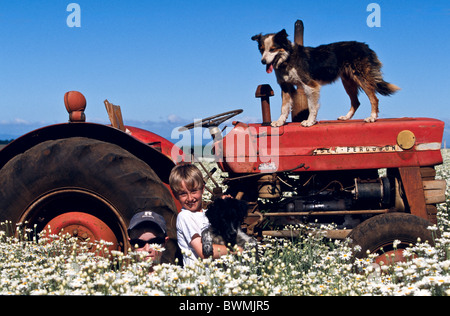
103 169
382 230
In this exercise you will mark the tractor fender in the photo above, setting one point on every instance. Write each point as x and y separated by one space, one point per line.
159 160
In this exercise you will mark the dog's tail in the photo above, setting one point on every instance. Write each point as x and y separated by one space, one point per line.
381 86
386 88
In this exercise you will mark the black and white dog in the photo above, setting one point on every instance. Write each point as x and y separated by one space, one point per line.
312 67
225 217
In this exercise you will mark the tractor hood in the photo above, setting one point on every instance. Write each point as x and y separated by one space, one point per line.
331 145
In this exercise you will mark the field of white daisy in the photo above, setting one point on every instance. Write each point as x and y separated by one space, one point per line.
59 265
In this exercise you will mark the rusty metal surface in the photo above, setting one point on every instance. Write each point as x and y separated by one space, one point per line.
84 227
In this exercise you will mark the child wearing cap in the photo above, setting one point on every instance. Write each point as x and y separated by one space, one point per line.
186 182
147 232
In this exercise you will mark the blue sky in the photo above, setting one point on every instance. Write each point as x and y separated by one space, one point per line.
169 62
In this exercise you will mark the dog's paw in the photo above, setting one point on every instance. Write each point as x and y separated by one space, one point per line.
308 123
277 123
207 243
370 119
343 118
207 250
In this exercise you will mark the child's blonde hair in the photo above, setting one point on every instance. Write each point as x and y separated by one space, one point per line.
188 173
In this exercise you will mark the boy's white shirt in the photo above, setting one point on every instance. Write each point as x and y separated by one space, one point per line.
189 224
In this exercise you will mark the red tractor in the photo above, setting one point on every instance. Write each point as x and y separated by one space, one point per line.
89 179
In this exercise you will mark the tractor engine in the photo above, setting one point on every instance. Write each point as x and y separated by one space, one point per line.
308 194
324 196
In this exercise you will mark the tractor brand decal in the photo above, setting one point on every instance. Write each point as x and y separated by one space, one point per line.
356 150
268 167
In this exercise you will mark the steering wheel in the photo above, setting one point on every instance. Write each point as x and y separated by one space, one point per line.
214 120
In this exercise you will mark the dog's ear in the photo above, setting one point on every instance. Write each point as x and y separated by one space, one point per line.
257 37
281 36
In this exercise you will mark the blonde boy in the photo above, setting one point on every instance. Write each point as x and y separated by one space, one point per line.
186 182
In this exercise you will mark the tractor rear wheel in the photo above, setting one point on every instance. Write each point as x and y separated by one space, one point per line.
88 188
377 235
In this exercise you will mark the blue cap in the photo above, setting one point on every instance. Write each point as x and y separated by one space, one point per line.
148 216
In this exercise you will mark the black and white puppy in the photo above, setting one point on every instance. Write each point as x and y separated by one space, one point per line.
225 217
